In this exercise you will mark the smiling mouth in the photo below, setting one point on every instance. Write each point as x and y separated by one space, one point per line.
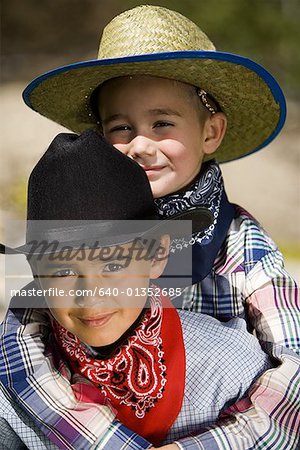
153 171
97 321
152 168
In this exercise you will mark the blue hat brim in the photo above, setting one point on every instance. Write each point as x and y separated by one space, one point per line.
245 84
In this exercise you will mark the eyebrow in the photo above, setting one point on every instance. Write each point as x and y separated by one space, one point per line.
112 118
164 112
151 112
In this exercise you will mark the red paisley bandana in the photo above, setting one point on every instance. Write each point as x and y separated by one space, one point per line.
144 379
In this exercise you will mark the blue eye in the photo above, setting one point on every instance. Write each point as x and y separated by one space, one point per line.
113 267
64 273
120 128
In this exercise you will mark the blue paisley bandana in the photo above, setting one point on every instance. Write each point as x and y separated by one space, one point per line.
206 191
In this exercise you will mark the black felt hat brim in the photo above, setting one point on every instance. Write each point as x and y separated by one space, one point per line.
201 219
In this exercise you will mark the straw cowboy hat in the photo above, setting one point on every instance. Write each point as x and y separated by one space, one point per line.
155 41
83 192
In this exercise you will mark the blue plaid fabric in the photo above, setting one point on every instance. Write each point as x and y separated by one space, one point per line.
222 360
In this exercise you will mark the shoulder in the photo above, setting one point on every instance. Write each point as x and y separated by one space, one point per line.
220 344
204 330
247 243
222 359
248 229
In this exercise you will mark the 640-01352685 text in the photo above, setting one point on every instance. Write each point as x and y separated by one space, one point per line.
97 291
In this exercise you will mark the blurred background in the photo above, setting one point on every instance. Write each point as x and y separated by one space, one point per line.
37 36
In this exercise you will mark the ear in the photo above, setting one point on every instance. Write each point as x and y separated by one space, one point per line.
160 259
213 132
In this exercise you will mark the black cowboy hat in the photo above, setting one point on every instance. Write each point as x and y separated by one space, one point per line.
84 190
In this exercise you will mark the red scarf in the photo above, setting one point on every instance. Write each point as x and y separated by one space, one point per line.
144 379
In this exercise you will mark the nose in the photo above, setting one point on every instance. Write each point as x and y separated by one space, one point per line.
142 149
88 292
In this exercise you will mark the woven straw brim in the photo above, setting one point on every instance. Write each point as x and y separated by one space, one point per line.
249 96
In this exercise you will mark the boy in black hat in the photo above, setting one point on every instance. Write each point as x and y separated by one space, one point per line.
114 342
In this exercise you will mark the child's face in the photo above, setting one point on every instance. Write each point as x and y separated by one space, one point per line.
159 123
99 296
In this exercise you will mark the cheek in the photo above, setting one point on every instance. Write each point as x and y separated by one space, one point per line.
129 316
60 292
173 149
182 158
184 145
62 316
188 153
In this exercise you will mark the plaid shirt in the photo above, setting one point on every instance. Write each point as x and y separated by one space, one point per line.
248 280
227 356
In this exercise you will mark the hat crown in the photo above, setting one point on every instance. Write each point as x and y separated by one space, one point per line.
151 29
86 178
85 193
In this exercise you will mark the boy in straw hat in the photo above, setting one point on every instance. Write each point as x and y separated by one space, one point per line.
162 95
165 372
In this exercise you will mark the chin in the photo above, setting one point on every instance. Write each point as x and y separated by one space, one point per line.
103 342
159 191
